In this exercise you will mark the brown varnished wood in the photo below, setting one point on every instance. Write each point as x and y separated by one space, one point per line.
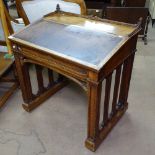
116 89
93 145
100 4
7 94
59 64
136 3
24 79
2 43
50 75
81 20
44 96
130 15
123 53
106 99
40 78
125 81
32 100
5 26
21 12
89 78
94 97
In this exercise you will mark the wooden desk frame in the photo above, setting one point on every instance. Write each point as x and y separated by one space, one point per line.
89 79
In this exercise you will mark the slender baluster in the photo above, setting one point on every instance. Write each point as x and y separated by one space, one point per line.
125 81
50 77
39 78
26 74
23 76
116 89
107 98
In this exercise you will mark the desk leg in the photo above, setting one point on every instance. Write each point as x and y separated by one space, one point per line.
125 81
94 97
24 78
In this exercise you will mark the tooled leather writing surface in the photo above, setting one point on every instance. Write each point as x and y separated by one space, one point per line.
88 45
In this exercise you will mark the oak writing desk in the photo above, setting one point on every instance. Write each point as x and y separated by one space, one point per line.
86 50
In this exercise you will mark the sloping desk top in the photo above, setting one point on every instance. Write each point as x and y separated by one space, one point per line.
80 39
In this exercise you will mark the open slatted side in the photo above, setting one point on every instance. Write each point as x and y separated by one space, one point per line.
115 89
40 79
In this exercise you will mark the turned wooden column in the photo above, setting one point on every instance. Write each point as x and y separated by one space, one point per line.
23 75
94 99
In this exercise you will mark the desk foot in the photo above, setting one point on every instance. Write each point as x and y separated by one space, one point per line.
44 96
92 144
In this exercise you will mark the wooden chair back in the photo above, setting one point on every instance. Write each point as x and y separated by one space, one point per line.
127 15
22 12
6 26
6 65
134 3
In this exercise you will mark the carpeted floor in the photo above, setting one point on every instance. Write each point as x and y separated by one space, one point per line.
58 127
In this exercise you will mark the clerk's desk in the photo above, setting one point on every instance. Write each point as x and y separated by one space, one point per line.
86 50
